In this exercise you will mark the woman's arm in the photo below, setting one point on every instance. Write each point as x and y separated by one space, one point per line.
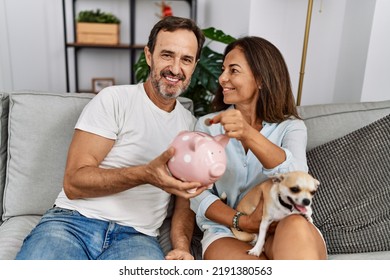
235 125
223 214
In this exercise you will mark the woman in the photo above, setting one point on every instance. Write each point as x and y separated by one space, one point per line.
255 108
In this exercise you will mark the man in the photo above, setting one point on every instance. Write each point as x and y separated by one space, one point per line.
116 185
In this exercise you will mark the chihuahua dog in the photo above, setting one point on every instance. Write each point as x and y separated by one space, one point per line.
282 195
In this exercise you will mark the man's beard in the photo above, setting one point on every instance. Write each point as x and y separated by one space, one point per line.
168 91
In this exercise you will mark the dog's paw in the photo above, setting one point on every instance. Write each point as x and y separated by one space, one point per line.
254 252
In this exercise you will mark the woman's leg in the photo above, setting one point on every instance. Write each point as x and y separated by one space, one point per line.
295 238
228 248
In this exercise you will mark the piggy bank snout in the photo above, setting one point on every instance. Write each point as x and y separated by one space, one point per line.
217 170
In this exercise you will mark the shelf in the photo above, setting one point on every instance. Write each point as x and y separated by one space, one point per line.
120 46
131 47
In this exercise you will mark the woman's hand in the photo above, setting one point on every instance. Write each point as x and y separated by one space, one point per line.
247 132
251 222
234 124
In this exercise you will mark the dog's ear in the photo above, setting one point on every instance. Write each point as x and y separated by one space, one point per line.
316 183
277 178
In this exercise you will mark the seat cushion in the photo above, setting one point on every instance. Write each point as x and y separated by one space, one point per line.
351 207
13 232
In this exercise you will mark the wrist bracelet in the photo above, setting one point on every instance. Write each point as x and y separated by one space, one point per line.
235 220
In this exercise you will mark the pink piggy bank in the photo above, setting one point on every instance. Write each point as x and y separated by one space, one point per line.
199 157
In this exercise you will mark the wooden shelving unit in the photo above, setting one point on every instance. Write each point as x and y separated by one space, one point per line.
131 47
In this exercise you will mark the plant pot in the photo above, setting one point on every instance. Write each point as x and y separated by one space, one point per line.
97 33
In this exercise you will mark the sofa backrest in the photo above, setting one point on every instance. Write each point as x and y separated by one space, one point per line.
3 144
40 128
331 121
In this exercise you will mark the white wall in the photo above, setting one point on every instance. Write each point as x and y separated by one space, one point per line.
323 53
347 58
31 45
233 18
355 39
282 23
338 44
377 71
6 80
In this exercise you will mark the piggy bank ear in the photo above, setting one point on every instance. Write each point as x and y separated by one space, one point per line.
196 141
222 139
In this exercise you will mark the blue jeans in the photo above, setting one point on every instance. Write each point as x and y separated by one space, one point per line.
64 234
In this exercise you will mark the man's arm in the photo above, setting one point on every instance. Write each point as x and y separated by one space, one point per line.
83 177
182 227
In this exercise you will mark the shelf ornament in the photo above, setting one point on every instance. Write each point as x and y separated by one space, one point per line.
166 9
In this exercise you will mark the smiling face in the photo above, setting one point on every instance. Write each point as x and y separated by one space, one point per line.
172 62
237 80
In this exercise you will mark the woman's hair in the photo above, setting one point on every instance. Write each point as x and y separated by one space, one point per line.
276 100
172 23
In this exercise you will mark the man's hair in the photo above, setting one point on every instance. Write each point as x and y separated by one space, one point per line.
172 23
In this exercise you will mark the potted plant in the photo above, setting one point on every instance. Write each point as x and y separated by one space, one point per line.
96 27
204 81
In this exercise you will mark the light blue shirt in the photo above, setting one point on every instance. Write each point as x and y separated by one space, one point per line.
244 170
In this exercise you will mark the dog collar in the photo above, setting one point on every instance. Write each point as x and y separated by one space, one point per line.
288 206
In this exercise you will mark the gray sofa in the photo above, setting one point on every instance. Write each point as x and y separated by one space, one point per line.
36 130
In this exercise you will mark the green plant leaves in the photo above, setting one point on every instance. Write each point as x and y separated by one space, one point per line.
218 35
204 81
141 69
97 17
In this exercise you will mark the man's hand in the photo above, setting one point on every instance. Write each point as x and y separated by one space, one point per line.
158 175
178 254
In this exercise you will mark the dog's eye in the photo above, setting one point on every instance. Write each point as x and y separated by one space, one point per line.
295 189
313 192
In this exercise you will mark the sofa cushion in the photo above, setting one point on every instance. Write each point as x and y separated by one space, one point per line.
381 255
331 121
3 144
351 207
39 132
12 233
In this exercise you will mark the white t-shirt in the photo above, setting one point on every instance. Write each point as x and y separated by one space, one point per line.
141 131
